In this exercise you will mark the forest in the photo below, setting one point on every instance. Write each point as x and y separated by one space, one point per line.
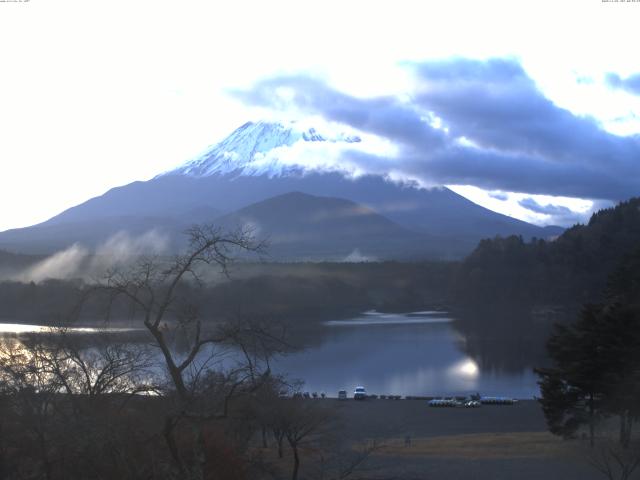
567 271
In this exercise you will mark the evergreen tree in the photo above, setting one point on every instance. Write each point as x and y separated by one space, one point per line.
596 361
574 388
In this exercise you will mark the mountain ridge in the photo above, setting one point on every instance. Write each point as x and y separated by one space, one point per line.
307 227
228 181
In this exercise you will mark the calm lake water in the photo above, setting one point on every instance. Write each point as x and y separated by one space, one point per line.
392 354
18 328
419 353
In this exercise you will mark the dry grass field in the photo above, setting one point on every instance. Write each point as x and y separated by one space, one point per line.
487 443
482 446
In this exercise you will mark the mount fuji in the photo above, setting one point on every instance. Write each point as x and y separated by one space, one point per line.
263 161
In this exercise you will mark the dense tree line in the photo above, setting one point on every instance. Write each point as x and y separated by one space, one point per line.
570 270
296 292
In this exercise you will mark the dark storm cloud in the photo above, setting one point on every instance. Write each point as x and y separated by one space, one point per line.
498 106
501 132
458 165
384 116
630 84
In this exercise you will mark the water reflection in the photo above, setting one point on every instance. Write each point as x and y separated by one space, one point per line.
52 361
468 367
413 354
19 328
375 318
505 340
421 353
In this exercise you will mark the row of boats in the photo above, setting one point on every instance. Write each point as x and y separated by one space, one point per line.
471 402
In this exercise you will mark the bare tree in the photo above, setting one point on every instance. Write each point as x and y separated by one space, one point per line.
91 370
59 386
61 393
614 461
30 394
154 288
298 420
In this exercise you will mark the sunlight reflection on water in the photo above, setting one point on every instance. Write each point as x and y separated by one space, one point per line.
419 353
25 328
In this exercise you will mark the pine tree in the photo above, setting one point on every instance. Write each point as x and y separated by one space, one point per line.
596 361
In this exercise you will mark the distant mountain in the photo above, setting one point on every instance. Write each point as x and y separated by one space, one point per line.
306 227
248 167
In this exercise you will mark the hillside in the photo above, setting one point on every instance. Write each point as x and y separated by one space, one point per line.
306 227
10 262
571 270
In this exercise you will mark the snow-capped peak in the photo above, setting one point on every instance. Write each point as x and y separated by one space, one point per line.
255 148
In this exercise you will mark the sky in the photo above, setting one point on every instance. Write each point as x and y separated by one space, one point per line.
529 108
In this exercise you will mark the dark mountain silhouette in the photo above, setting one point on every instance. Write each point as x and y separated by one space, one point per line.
306 227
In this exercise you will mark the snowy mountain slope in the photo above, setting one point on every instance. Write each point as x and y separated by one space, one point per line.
263 160
252 150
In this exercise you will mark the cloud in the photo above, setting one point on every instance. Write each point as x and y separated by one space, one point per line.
64 264
585 80
78 262
631 84
122 248
498 106
549 209
499 195
383 116
559 214
471 122
356 257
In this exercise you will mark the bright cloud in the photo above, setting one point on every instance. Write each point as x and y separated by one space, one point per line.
100 94
515 138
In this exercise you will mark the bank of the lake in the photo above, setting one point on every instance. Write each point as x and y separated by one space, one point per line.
487 443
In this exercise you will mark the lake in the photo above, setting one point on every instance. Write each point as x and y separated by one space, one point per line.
420 353
401 354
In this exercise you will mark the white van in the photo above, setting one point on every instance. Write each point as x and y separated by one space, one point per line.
359 393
